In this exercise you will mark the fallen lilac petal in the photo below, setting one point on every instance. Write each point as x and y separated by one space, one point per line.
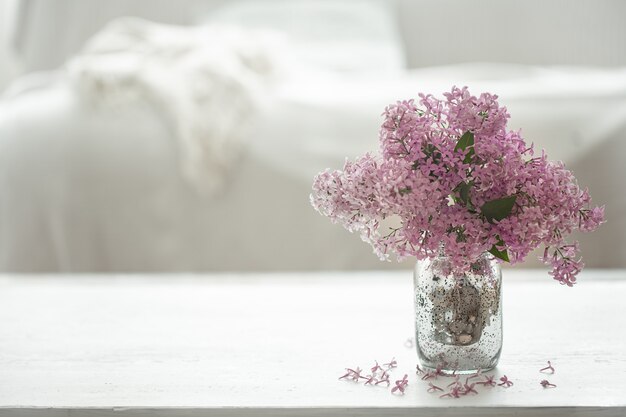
384 378
433 387
453 393
429 375
549 368
455 382
474 375
347 374
353 374
546 384
376 368
439 370
371 379
418 370
391 364
505 382
401 384
489 380
469 388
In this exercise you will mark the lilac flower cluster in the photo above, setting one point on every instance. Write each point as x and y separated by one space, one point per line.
452 178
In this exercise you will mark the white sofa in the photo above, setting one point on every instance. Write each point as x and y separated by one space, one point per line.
101 190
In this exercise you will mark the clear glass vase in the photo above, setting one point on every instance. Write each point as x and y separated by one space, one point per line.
458 318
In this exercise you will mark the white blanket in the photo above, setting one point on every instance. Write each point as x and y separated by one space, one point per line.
205 82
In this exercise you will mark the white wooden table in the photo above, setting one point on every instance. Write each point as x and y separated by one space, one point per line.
274 345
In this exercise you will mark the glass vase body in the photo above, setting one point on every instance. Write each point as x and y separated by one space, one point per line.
458 317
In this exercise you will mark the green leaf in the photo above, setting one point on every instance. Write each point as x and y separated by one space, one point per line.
500 254
464 189
460 195
432 152
498 209
466 141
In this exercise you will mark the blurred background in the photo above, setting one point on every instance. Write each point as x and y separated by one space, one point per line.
158 135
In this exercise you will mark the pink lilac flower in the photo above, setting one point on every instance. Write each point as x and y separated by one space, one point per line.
565 266
439 370
546 384
370 379
590 219
489 380
455 382
433 388
548 368
505 382
454 179
401 384
429 375
418 370
474 375
391 364
352 374
455 392
469 388
384 379
376 368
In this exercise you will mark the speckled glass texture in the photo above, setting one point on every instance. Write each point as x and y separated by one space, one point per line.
458 318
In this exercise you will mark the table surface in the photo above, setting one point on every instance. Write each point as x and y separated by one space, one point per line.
275 344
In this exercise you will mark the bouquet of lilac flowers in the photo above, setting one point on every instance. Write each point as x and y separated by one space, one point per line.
453 180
